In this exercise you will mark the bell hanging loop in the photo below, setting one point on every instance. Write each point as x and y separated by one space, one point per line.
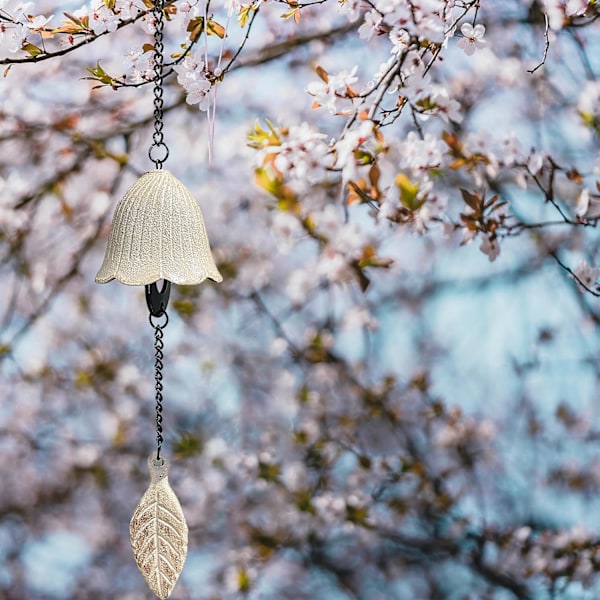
158 154
157 300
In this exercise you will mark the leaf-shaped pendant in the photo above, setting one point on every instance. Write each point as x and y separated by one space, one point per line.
159 533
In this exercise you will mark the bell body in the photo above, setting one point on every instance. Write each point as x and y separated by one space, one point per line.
158 233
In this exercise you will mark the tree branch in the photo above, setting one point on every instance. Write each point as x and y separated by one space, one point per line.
88 40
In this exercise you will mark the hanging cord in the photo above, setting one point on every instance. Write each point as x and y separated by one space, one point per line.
158 378
158 152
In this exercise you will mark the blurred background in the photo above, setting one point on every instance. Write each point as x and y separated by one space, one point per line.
380 401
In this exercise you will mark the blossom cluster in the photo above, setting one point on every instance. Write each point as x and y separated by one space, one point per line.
192 76
19 25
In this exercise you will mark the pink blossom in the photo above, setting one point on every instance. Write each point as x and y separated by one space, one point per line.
287 228
447 108
491 247
576 7
586 276
192 76
345 147
102 19
139 66
328 93
302 155
472 38
333 266
38 23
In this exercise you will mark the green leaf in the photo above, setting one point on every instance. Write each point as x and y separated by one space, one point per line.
295 13
99 74
244 15
244 581
32 49
268 471
184 307
363 157
357 514
261 137
196 28
304 503
188 446
426 104
409 193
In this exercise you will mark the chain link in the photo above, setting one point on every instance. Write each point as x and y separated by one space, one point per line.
158 152
158 377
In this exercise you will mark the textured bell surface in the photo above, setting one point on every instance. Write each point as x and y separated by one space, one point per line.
158 233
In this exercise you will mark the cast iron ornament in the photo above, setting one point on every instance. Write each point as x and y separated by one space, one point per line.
158 233
158 531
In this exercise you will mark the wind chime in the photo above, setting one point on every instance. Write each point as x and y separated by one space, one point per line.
158 233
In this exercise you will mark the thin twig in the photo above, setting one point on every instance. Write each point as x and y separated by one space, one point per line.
278 49
241 46
547 46
573 275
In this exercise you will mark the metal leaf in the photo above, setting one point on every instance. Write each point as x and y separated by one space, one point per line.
157 233
159 533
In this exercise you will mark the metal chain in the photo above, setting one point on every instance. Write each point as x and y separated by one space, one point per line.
158 377
158 152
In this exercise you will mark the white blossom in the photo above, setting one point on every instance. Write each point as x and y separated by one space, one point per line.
191 75
102 19
490 246
328 93
472 38
586 276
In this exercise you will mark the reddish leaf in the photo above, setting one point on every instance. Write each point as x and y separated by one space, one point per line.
471 200
322 73
575 175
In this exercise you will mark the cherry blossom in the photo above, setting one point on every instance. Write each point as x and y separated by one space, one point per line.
13 36
586 276
345 148
304 154
333 87
102 18
589 102
559 12
191 75
39 22
576 7
491 247
139 66
472 38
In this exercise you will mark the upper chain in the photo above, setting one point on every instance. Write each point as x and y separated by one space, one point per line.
158 151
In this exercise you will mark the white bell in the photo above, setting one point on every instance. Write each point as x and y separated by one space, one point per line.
158 233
